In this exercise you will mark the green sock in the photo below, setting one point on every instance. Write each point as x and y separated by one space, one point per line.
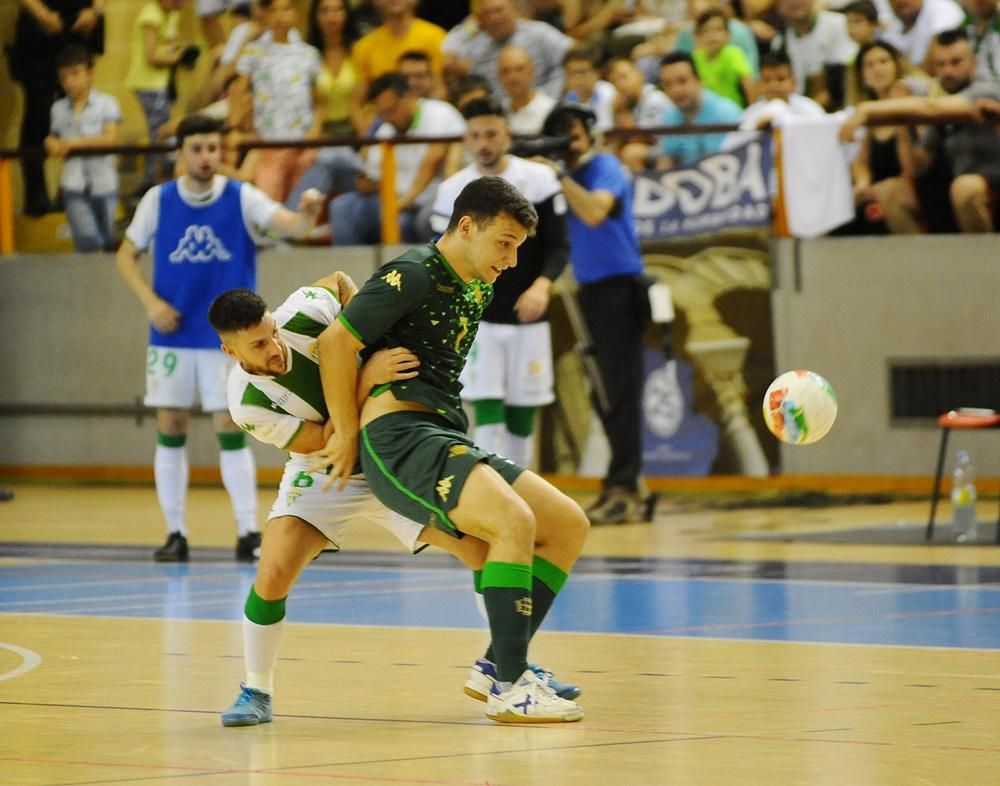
546 581
170 440
263 612
507 595
520 420
487 411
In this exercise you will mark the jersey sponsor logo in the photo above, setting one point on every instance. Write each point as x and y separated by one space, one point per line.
463 324
457 450
443 488
446 290
200 244
394 279
523 606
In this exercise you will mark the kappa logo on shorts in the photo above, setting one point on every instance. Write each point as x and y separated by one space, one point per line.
200 244
443 488
457 450
394 279
523 606
248 427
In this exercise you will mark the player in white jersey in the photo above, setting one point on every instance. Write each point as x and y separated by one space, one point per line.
275 394
509 374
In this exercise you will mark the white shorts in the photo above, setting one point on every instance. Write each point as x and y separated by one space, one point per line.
512 363
301 495
173 375
212 7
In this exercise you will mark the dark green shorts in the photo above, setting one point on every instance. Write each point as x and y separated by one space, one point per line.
416 464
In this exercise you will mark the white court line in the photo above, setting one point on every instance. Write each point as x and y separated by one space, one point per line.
29 660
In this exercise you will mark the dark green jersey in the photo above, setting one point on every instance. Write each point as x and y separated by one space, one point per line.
417 301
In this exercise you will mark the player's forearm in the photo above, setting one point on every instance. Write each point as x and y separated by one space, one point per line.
587 205
338 369
36 8
127 261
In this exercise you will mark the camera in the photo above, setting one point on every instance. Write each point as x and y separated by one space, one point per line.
548 146
189 56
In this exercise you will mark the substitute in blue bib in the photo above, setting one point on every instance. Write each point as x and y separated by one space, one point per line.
200 230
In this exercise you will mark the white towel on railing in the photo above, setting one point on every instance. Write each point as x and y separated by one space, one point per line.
816 175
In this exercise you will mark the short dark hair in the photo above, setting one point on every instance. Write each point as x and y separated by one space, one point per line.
581 52
712 13
468 84
236 309
482 107
865 8
775 60
197 124
72 55
486 198
559 122
671 58
392 80
416 55
951 37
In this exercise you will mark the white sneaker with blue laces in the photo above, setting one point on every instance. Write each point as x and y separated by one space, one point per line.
529 700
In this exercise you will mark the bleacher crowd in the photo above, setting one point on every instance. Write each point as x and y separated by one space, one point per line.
390 68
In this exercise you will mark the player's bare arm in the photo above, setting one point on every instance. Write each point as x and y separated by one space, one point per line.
161 315
341 283
338 367
299 223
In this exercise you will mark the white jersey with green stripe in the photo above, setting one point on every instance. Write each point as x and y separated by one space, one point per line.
273 409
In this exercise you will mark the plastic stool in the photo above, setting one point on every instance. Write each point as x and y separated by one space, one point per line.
962 419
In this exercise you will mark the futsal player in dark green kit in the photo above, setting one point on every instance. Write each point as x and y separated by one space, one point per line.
417 456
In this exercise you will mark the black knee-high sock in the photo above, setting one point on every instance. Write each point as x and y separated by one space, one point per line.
507 594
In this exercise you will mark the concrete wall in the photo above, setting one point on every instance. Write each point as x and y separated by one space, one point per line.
845 306
73 334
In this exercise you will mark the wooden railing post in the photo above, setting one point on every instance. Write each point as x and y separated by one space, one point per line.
6 208
387 194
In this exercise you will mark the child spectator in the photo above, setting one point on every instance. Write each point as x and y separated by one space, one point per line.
862 21
281 74
584 86
638 105
154 50
85 118
723 67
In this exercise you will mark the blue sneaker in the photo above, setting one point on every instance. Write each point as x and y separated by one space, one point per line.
483 675
250 708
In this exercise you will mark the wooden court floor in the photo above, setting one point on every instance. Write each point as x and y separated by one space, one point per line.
707 656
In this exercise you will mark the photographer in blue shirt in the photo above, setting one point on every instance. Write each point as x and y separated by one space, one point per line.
604 250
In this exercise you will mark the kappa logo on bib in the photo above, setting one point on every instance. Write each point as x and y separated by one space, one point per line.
200 244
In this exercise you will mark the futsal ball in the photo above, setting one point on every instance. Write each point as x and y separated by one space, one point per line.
800 407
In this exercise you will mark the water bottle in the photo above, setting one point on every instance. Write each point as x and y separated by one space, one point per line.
963 499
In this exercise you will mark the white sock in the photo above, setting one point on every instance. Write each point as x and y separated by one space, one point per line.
170 469
492 437
239 476
260 652
521 450
481 606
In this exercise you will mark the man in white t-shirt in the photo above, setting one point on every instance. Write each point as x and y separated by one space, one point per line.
200 231
355 217
526 106
816 43
916 22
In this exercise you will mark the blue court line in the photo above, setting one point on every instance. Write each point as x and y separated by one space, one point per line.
734 608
